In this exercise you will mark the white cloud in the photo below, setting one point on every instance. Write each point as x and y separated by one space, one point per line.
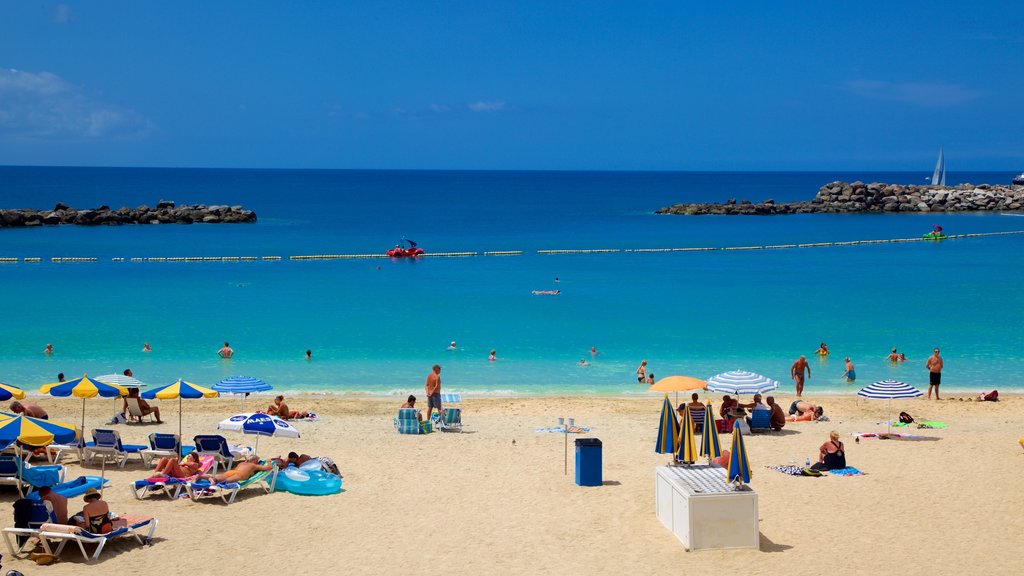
43 105
487 106
931 94
438 108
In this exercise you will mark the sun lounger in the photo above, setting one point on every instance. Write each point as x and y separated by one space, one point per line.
135 411
408 422
107 444
451 420
216 446
18 473
227 491
139 527
39 513
171 487
161 445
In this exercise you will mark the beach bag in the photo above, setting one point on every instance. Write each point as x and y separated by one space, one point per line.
905 418
118 419
992 396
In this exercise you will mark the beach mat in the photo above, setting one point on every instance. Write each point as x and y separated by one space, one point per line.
931 424
571 430
848 471
795 471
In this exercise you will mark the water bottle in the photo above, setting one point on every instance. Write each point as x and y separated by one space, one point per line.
807 463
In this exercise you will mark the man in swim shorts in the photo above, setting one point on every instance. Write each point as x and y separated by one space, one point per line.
796 372
240 473
934 366
433 388
226 352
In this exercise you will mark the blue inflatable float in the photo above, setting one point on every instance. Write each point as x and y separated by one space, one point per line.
75 487
308 480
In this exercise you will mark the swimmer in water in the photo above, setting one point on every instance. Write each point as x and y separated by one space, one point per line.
452 346
493 356
593 350
893 356
309 354
850 373
583 362
146 348
822 350
48 350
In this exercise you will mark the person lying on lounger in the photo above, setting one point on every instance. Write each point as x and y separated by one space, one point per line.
170 467
281 410
240 473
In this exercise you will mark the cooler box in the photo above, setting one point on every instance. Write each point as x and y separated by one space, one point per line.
588 462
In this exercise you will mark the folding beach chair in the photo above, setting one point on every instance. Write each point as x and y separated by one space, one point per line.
129 525
201 489
216 446
761 420
451 420
171 487
107 445
29 517
163 444
698 420
408 422
135 411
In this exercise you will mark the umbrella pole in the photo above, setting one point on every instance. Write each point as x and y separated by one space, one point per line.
83 420
103 475
565 433
179 427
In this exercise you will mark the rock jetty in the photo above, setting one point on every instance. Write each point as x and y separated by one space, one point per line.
164 212
841 197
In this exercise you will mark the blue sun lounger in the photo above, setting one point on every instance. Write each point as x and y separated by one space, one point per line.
39 513
107 444
136 527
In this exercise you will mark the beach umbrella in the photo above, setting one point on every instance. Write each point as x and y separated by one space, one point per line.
243 385
739 467
7 392
668 429
687 444
677 384
180 389
260 425
83 388
741 382
122 380
709 447
887 390
34 431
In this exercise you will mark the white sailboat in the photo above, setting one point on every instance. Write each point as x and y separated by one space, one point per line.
939 176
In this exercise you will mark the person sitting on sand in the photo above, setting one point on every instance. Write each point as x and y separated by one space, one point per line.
170 466
30 410
778 418
755 405
143 405
728 408
801 411
410 402
695 403
281 410
240 473
293 459
831 454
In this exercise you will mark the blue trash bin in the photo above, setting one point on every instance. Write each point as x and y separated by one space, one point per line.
588 462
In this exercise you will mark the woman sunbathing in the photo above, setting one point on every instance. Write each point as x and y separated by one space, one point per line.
240 473
170 467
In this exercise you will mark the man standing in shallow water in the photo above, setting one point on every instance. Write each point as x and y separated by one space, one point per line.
934 366
433 388
226 352
796 372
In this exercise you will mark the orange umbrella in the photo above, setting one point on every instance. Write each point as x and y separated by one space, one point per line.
678 384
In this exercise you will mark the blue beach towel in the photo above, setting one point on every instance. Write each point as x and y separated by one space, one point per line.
848 471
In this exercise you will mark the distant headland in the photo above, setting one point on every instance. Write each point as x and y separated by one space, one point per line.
164 212
841 197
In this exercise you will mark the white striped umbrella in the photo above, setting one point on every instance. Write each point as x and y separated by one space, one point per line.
122 380
741 382
887 390
243 385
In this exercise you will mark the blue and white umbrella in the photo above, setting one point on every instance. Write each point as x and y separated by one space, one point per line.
887 390
741 382
259 424
241 385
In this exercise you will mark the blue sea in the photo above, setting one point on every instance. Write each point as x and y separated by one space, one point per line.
376 326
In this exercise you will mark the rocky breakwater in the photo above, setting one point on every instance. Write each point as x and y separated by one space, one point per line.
842 197
163 213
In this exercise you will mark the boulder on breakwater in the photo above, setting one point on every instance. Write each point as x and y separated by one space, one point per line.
164 212
842 197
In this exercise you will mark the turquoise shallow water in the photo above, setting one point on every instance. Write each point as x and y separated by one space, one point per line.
376 326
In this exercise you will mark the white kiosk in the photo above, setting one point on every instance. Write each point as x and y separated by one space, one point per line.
703 510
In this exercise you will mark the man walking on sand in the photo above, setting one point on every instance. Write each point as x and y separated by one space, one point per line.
433 388
796 372
934 366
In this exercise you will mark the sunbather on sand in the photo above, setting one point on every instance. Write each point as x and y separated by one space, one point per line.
170 467
801 411
281 410
242 472
293 458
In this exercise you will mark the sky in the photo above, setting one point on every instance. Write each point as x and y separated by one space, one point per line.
588 85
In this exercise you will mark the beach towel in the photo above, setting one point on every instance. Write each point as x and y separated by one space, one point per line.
795 470
571 430
311 417
848 471
921 424
884 435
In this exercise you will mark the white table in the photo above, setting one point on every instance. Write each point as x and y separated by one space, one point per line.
703 510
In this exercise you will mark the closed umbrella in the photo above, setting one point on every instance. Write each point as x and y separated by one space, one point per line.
739 467
260 425
709 447
887 390
741 382
668 429
83 388
7 392
687 443
180 389
241 385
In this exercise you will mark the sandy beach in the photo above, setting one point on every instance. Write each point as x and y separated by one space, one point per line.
495 498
